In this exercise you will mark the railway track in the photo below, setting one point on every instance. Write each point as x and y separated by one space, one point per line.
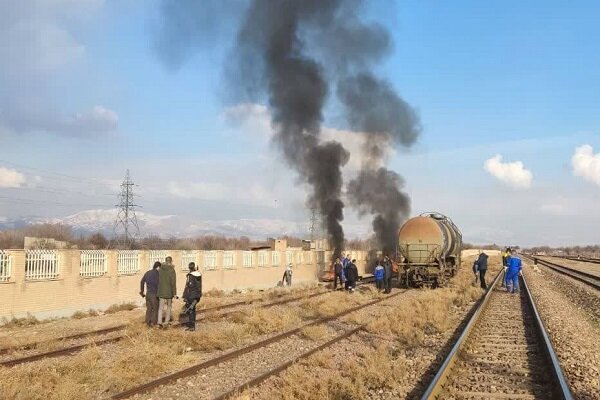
589 279
167 379
503 353
120 328
584 259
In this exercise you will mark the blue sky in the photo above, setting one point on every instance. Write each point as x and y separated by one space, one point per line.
84 93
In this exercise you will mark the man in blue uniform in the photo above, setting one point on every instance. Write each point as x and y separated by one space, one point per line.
512 273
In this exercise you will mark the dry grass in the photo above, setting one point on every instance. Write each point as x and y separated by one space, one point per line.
403 328
354 378
214 293
326 306
85 314
29 320
315 333
120 307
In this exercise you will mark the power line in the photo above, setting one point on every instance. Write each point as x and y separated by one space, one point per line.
60 191
58 175
17 200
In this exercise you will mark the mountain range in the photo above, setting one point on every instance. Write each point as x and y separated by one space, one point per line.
90 221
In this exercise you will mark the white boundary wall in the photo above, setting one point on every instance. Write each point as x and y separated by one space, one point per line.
48 283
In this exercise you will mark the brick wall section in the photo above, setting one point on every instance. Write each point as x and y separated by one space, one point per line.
70 292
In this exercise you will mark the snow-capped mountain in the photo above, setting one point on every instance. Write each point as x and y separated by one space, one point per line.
168 225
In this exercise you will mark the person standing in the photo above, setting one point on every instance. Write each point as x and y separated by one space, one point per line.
345 262
338 270
505 260
191 295
482 264
150 280
287 275
379 274
352 275
167 289
387 274
512 273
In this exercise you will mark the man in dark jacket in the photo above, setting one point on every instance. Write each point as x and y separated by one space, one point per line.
352 275
192 294
482 262
338 270
167 289
387 274
150 279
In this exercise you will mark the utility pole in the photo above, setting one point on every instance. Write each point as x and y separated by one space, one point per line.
126 227
314 222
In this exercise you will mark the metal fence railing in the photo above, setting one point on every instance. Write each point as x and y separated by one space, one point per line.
41 264
5 266
92 263
210 260
247 259
128 262
263 258
229 259
275 259
186 258
157 255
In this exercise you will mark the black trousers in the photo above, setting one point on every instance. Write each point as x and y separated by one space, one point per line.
190 310
388 284
482 278
335 280
379 284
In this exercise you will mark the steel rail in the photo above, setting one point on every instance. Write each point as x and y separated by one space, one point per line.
282 367
31 346
57 353
74 349
557 371
238 352
582 259
584 277
436 387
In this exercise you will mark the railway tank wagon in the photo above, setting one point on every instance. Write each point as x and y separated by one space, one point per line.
429 249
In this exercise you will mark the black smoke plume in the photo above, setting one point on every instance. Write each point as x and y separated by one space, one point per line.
373 107
293 52
296 91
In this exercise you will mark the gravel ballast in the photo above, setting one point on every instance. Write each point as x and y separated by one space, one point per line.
570 311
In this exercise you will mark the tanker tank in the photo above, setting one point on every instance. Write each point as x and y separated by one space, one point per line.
429 249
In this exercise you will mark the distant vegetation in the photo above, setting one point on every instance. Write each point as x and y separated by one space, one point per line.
584 251
14 239
493 246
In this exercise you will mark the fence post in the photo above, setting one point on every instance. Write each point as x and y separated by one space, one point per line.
68 263
176 256
111 263
17 266
145 261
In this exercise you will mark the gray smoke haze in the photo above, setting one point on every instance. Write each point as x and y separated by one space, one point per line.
297 91
373 107
293 53
377 192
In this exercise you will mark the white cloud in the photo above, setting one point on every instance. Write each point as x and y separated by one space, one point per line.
233 193
557 209
40 45
98 119
10 178
511 173
256 120
586 164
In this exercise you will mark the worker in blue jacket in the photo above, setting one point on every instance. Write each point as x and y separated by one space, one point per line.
512 273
